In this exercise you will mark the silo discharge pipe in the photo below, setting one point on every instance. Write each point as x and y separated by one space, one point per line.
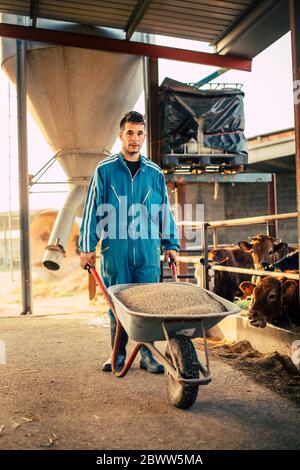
56 249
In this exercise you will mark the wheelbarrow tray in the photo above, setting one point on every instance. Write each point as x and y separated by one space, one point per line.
147 327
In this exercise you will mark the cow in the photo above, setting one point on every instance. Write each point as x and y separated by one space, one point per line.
223 283
233 254
274 300
264 249
286 264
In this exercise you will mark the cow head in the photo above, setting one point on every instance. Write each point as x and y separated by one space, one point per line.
267 300
220 256
224 284
264 249
215 256
290 300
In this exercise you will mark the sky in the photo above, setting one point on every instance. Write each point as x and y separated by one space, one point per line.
268 107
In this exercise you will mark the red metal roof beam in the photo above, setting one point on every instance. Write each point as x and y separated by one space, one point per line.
122 46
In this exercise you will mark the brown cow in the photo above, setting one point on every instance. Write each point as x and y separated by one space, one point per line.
264 249
274 300
226 284
241 258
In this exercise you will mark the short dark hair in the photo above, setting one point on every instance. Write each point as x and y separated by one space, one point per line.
132 116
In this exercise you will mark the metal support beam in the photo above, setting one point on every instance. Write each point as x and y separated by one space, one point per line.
295 36
204 253
147 101
136 16
23 178
87 41
181 201
272 203
210 77
34 8
153 110
219 178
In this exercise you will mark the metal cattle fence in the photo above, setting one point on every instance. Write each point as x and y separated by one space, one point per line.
214 226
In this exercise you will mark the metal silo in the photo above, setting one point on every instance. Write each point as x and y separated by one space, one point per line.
77 97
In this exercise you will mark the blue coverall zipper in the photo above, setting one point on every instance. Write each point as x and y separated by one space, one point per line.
132 178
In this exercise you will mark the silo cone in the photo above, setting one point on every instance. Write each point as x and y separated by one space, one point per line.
77 97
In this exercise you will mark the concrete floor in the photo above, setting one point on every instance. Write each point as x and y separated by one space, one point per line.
53 395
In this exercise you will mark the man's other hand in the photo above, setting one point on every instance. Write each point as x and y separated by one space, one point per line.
170 254
87 258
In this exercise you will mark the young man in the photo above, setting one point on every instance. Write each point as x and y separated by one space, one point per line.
127 207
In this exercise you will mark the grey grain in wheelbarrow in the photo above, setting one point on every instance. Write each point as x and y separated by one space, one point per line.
148 328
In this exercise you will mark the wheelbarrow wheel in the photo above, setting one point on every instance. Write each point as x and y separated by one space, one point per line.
183 395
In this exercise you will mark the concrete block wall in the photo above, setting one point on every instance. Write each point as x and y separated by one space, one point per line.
286 199
204 194
249 200
245 200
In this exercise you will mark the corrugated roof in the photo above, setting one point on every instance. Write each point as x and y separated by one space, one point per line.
112 14
203 20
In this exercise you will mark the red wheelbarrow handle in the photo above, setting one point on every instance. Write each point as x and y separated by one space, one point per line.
173 266
100 283
93 272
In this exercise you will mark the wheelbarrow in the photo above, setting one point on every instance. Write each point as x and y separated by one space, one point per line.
184 371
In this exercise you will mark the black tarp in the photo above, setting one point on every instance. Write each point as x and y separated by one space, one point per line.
222 110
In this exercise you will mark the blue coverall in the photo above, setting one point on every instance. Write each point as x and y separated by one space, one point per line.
124 213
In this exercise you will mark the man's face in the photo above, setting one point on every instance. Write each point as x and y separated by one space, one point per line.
132 137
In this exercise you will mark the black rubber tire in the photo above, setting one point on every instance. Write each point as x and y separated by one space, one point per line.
183 395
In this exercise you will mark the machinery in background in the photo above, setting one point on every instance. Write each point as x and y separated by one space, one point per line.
201 129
